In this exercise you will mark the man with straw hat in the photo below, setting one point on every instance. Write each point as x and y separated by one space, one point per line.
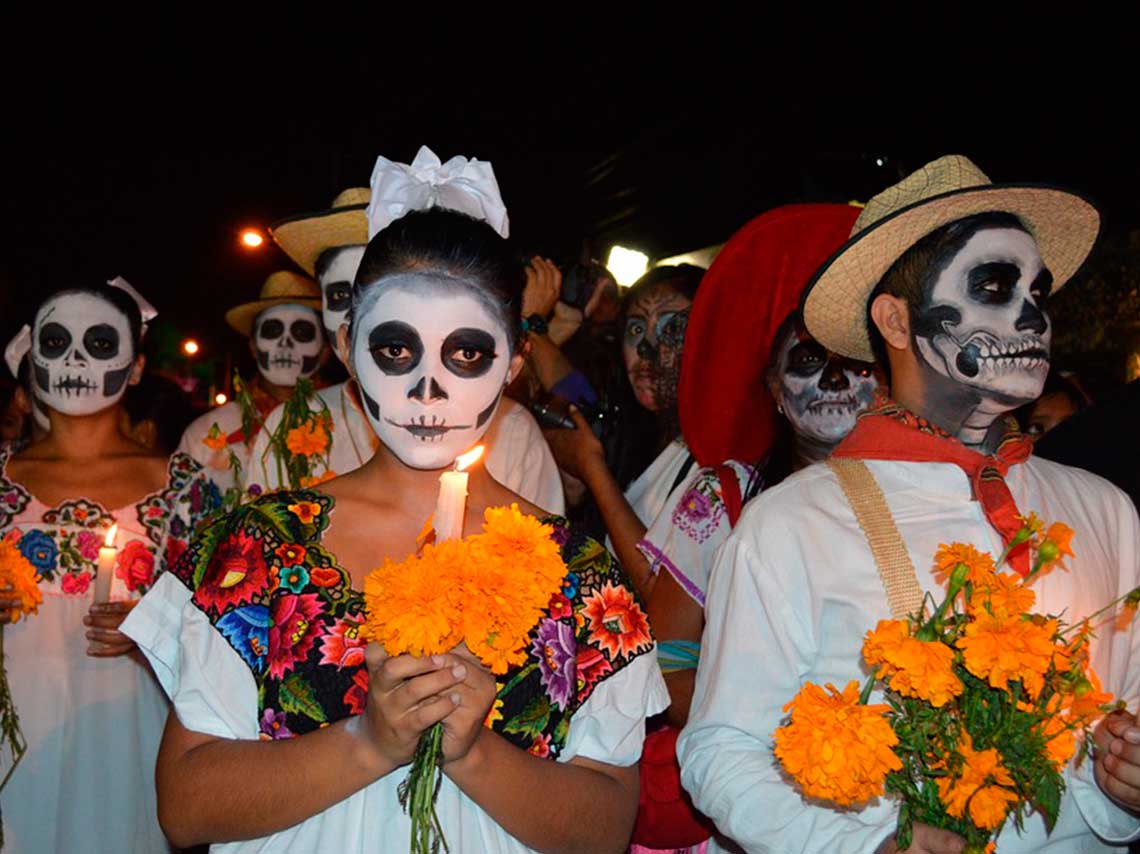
284 331
944 277
329 245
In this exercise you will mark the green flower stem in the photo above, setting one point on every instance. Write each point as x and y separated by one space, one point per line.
868 687
420 790
1023 535
932 628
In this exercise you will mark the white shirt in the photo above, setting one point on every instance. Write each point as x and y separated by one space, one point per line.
794 590
215 693
216 462
651 489
517 454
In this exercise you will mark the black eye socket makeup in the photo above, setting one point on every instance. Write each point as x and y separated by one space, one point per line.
338 295
54 340
993 283
468 353
391 338
806 358
101 341
271 328
303 331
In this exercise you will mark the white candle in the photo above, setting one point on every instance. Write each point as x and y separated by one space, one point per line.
106 567
451 506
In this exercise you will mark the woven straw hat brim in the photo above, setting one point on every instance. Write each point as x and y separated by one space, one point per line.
305 236
241 317
1064 224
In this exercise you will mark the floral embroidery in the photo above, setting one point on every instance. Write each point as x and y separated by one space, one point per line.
300 635
88 543
136 565
616 622
13 500
75 583
41 551
273 726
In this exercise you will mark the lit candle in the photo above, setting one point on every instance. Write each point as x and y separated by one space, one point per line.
106 570
451 506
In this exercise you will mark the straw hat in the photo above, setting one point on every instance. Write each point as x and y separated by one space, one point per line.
305 236
281 288
1064 225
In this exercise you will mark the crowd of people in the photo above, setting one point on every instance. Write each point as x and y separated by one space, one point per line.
696 443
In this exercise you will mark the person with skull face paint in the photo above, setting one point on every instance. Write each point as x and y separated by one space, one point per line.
433 341
947 273
90 708
631 477
329 245
285 338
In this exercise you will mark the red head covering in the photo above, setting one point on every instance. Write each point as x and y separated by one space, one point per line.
755 282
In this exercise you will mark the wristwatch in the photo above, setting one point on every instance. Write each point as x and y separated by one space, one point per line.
536 323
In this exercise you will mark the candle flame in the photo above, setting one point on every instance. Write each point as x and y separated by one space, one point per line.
109 540
465 460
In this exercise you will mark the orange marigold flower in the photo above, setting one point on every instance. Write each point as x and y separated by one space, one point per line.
978 781
1061 742
1000 647
18 573
306 511
1006 594
1088 699
1127 610
1054 545
914 668
980 565
836 748
309 481
215 439
309 438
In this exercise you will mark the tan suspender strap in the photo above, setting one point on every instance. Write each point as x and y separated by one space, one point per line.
904 595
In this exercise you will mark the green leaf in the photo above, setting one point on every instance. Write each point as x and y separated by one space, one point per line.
1047 797
532 720
207 544
296 695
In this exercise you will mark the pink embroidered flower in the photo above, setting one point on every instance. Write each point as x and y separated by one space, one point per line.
136 565
13 536
154 512
540 747
592 667
75 583
88 542
559 607
294 631
343 646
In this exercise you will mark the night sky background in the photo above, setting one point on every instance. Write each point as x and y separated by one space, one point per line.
144 155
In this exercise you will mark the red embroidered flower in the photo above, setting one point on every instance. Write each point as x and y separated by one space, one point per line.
236 574
617 623
540 747
154 512
80 515
290 555
75 583
343 646
592 668
295 629
357 695
559 607
324 576
136 565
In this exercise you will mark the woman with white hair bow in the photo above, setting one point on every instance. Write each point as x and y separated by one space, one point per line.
293 734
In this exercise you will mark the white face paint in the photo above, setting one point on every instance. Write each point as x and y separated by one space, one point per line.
288 342
822 393
432 361
983 322
82 353
336 287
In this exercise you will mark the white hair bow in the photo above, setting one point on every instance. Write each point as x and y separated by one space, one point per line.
148 311
468 186
17 348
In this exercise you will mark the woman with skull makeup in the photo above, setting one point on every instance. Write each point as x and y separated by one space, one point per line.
632 475
90 707
270 680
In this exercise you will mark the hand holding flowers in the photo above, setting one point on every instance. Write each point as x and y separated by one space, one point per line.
986 702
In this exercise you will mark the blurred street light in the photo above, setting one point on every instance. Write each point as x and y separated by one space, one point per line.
627 265
190 347
251 238
220 399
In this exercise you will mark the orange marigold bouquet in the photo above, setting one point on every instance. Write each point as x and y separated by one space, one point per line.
18 581
985 703
488 590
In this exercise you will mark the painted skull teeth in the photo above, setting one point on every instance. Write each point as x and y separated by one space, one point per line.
428 431
842 405
74 385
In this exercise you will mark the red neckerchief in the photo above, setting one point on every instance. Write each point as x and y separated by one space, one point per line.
264 403
888 431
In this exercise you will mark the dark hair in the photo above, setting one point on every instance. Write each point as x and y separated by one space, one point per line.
326 258
916 268
452 243
683 278
121 300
